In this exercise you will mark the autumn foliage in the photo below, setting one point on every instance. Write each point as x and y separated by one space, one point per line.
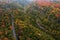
31 22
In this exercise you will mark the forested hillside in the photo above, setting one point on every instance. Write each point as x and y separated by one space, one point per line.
31 22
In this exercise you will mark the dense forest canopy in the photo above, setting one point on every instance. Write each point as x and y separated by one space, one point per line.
33 21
